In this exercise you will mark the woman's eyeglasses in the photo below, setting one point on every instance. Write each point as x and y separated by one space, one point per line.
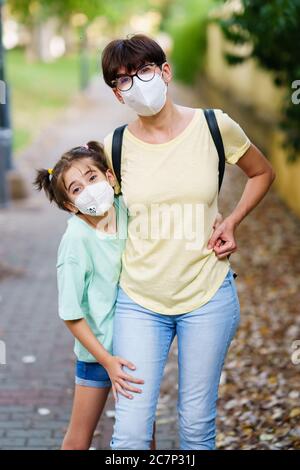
146 72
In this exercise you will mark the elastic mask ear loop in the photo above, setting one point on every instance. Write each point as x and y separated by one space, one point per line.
74 206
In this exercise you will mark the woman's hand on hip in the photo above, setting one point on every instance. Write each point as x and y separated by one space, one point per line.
119 378
223 238
218 220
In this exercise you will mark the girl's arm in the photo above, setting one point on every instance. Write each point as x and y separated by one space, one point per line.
81 330
71 271
113 364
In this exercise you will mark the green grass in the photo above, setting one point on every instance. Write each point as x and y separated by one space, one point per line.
39 91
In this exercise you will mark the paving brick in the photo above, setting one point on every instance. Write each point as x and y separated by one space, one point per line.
21 447
4 416
12 441
55 425
47 442
14 425
30 433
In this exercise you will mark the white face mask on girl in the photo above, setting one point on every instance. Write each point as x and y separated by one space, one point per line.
95 199
146 98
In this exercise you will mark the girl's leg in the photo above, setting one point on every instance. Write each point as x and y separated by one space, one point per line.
204 336
87 408
144 338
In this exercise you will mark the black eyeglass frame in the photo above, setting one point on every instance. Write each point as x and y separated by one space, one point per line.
114 82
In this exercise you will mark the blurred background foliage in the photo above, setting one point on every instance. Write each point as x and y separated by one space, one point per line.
39 91
60 43
55 45
55 56
273 30
187 24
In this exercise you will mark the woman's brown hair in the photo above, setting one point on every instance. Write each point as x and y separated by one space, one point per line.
130 53
52 183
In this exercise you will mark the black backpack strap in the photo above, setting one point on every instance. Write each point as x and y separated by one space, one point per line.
217 138
214 130
116 151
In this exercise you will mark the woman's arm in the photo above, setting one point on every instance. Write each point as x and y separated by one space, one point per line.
113 364
260 177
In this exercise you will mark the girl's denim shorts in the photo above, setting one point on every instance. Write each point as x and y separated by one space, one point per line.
91 374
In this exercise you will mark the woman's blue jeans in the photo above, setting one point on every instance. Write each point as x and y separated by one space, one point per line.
144 338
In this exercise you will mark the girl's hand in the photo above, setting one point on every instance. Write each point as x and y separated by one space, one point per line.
119 378
223 240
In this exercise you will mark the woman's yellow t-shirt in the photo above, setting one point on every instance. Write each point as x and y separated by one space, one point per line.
171 191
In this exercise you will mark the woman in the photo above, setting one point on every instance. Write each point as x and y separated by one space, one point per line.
176 278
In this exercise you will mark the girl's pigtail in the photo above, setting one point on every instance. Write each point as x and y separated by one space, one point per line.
95 146
43 181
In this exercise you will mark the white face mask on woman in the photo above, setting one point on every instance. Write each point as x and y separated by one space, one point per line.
146 98
95 199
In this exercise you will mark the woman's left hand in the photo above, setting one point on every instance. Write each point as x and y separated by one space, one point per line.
223 240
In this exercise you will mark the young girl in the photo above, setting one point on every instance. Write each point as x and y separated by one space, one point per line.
88 269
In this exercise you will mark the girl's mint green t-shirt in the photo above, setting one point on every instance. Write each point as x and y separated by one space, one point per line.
88 271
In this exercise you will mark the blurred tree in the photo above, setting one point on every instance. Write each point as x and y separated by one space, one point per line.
35 13
164 7
273 30
115 11
187 23
43 9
